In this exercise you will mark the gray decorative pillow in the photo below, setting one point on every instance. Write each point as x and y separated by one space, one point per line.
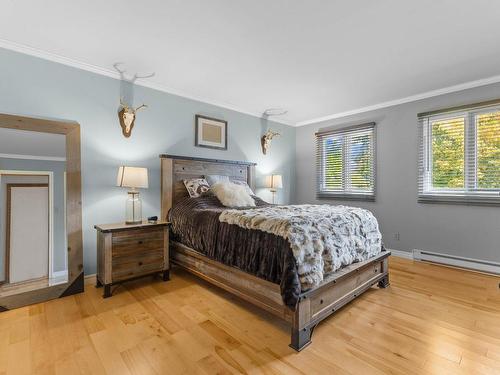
244 184
214 178
196 186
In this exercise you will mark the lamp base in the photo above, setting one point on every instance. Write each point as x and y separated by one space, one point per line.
133 208
273 191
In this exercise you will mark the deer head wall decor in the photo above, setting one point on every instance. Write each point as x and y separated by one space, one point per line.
127 117
265 140
127 112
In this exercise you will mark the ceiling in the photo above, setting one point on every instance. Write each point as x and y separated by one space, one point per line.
314 58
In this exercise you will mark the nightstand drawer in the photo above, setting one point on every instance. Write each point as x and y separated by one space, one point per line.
129 251
137 265
137 242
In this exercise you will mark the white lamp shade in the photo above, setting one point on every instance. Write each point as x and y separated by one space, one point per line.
132 177
276 181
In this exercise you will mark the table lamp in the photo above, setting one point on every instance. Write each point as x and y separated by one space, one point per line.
275 182
134 178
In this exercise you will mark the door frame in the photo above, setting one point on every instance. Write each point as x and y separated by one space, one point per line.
8 212
50 175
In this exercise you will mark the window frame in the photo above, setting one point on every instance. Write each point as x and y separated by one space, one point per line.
470 194
346 192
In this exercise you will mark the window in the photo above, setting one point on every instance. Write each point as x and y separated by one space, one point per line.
459 157
346 162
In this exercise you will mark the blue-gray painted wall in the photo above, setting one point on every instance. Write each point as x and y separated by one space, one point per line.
35 87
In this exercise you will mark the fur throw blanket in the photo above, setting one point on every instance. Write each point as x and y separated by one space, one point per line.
323 238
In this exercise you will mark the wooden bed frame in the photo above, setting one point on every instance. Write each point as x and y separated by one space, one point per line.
313 306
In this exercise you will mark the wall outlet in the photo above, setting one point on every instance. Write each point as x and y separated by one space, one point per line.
396 236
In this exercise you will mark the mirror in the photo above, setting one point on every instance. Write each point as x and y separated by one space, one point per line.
40 210
32 209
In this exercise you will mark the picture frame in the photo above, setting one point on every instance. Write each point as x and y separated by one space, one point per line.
210 132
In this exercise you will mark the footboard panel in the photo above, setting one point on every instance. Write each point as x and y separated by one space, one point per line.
347 284
345 289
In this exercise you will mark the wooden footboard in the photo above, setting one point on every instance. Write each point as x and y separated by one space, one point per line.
313 306
341 288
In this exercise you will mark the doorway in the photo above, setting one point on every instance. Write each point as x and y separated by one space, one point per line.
27 232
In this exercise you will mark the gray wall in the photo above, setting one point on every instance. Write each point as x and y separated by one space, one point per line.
34 87
467 231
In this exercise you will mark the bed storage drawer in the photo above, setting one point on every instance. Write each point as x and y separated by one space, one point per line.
346 287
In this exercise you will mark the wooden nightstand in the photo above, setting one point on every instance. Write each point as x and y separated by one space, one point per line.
126 252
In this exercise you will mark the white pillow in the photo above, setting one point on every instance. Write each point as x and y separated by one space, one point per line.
214 178
243 183
232 195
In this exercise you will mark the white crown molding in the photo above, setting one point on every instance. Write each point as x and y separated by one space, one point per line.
408 99
28 50
32 157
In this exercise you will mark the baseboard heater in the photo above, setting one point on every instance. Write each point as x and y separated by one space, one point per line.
456 261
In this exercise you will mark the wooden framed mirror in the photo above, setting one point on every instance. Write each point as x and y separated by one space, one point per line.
51 284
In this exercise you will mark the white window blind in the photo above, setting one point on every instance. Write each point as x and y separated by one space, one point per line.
345 162
459 158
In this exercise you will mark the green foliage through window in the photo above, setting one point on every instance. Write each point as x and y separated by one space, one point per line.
347 160
448 153
464 152
334 165
488 150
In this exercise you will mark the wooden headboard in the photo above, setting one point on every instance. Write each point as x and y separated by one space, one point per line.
175 168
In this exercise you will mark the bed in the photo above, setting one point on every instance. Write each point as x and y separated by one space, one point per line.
262 273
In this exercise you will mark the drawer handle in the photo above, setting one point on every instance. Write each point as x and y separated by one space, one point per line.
140 263
140 242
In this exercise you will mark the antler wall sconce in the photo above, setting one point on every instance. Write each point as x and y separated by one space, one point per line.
127 117
265 140
127 113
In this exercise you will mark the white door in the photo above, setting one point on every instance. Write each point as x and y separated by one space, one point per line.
29 233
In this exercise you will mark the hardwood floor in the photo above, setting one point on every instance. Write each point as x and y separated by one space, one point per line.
431 320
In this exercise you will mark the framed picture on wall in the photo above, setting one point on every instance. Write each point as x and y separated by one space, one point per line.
210 132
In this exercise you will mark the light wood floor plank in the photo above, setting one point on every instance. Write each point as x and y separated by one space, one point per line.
431 320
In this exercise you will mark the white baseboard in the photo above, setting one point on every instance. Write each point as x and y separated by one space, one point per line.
58 277
58 274
401 254
90 279
449 260
457 261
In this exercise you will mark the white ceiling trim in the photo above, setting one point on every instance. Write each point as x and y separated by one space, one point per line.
156 86
32 51
408 99
32 157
